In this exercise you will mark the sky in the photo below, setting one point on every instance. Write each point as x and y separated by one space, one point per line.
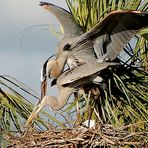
24 48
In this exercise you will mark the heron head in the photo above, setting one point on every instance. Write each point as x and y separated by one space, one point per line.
46 72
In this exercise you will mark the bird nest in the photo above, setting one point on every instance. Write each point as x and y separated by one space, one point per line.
104 135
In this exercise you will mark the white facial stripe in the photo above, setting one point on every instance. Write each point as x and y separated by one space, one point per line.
45 69
41 75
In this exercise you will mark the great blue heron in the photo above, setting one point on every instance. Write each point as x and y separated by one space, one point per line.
68 83
102 42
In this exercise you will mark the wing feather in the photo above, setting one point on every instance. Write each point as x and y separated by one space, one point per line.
70 26
113 33
83 71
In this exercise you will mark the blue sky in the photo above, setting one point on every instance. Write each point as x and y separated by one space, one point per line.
23 50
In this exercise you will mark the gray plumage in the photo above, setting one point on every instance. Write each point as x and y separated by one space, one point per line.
83 71
70 26
103 42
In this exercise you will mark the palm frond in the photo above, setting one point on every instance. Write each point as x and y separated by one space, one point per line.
15 107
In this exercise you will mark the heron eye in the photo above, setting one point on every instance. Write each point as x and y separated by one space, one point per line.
66 47
53 82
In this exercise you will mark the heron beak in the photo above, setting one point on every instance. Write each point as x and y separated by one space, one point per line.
43 88
44 5
40 104
33 115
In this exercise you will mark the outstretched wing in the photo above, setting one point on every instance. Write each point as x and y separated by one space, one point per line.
70 26
112 34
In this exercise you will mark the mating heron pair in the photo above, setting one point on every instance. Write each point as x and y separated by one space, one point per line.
85 53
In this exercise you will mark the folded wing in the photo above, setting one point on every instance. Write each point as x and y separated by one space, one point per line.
83 71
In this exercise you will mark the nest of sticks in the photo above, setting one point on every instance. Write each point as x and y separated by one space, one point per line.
100 136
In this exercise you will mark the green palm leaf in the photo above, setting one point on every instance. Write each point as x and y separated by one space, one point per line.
15 108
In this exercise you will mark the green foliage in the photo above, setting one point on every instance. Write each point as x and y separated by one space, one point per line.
89 12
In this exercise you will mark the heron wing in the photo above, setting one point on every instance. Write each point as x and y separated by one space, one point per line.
83 71
84 53
113 33
70 26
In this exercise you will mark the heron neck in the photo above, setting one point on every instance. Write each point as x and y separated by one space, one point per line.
61 61
59 102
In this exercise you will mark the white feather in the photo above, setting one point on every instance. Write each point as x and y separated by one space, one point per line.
41 75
